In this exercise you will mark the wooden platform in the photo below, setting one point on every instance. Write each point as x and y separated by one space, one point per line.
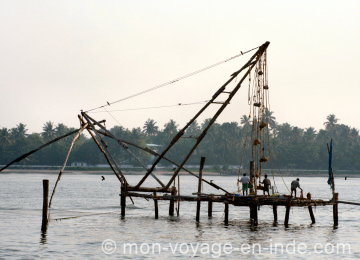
252 201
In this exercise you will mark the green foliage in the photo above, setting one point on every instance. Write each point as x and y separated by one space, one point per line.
224 144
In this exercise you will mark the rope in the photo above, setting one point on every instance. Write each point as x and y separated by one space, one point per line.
145 108
174 80
86 215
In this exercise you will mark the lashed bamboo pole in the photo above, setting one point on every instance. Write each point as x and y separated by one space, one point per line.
66 159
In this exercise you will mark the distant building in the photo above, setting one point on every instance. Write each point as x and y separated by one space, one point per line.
79 164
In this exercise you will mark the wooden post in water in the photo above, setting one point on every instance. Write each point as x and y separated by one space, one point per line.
311 215
198 203
123 201
45 205
335 209
210 205
172 202
252 176
287 214
275 212
156 206
254 214
226 213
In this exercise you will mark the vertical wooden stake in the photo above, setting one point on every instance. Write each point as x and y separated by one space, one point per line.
172 203
275 213
210 204
198 203
335 209
311 215
123 201
226 213
252 176
156 206
45 205
287 214
254 214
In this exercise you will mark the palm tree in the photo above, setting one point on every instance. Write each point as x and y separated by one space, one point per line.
49 131
5 137
61 129
245 120
170 128
118 131
269 118
331 122
194 129
150 128
19 131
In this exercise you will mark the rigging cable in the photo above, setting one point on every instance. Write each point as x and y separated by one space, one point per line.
143 108
174 80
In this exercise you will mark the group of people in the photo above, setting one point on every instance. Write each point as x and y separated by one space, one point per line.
267 185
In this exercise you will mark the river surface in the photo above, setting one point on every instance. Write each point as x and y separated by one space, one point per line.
86 223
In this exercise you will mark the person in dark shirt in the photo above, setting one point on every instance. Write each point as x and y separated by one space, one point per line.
267 185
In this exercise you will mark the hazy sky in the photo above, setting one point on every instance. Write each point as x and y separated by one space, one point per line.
58 57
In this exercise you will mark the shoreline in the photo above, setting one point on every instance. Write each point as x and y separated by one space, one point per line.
290 173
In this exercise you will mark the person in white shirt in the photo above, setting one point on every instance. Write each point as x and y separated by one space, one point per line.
295 184
245 183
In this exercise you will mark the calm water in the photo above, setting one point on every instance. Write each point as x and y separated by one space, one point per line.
90 214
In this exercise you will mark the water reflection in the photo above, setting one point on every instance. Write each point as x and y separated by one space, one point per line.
43 239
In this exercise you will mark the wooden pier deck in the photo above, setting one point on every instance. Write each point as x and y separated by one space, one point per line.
252 201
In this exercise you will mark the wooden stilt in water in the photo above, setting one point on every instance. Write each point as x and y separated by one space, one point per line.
335 209
311 215
252 177
287 214
45 205
172 202
156 206
123 201
226 213
275 213
198 203
254 214
210 205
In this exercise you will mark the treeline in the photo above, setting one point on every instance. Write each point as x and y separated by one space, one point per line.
224 144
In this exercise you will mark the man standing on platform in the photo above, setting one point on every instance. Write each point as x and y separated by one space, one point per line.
245 183
267 184
295 184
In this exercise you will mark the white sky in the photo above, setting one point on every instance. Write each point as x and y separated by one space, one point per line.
58 57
